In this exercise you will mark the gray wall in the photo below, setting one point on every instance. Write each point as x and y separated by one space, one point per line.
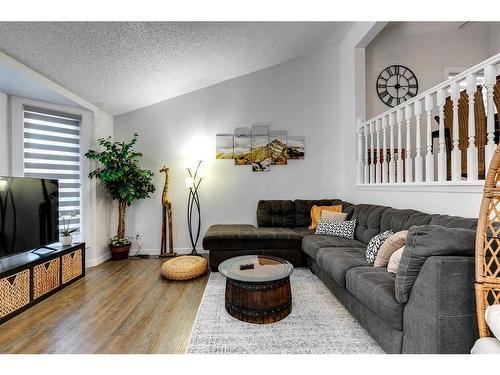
427 48
300 96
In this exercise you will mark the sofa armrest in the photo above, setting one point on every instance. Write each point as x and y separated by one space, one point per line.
440 316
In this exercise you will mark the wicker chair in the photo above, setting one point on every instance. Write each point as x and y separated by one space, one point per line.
488 246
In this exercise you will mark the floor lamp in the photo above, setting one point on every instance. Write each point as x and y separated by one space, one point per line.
193 183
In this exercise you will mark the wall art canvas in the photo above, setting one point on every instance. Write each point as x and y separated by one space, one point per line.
260 156
224 146
296 148
259 147
242 146
277 147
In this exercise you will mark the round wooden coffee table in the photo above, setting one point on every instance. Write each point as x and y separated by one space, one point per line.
257 288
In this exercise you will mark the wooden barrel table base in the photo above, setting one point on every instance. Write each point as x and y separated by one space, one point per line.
259 302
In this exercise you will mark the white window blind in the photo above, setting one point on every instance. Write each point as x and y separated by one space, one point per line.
52 150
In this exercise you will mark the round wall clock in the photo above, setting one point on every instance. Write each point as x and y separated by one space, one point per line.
396 84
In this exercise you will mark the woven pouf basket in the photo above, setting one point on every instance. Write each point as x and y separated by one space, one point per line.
184 267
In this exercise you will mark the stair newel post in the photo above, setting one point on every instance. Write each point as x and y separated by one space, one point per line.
399 158
472 159
385 163
429 156
392 161
441 99
456 155
378 165
361 162
408 161
490 73
418 146
372 152
366 131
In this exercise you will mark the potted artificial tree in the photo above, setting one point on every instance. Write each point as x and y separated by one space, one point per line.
121 176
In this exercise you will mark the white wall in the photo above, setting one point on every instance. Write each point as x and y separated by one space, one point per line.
4 135
463 201
426 48
300 96
494 37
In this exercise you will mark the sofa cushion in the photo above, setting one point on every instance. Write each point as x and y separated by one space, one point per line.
397 220
303 231
335 262
311 244
453 222
276 213
374 287
368 218
423 242
248 237
303 209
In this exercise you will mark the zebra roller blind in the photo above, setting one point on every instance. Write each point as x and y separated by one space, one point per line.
52 150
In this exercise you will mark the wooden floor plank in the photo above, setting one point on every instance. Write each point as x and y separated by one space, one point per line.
119 307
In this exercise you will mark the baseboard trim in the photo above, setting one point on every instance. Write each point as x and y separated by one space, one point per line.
95 262
181 251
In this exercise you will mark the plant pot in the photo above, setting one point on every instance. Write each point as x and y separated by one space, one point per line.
66 240
119 252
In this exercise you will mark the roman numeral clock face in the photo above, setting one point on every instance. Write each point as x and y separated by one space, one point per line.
396 84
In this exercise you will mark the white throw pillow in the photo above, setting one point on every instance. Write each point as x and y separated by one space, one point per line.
375 244
336 228
394 260
492 317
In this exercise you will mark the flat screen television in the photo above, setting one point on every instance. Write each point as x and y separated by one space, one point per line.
29 214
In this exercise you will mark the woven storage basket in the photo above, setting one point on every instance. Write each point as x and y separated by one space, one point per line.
71 266
46 277
184 268
14 292
488 246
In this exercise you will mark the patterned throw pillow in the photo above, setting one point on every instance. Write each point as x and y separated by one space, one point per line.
336 228
375 244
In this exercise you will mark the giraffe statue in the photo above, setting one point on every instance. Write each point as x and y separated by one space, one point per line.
166 217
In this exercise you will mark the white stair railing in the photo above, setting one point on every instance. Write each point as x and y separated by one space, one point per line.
382 161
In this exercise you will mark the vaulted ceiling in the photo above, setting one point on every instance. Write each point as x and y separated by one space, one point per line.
122 66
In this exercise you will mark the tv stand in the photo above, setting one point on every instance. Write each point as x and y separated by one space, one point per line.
30 277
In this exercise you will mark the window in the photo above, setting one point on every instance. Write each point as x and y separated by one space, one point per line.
52 150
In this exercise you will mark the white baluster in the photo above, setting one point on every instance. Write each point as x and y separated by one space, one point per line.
408 162
385 164
361 162
378 165
418 135
456 155
490 80
429 156
472 169
372 153
399 159
392 161
441 99
366 179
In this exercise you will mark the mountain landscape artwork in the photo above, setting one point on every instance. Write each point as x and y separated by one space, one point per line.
259 147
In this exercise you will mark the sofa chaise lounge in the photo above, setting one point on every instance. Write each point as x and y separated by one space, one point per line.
439 313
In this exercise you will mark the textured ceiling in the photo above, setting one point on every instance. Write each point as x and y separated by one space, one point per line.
122 66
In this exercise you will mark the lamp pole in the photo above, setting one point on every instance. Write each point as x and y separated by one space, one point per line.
193 183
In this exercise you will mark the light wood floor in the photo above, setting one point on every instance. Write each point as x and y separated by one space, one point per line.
119 307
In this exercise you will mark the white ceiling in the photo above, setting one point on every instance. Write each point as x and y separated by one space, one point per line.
122 66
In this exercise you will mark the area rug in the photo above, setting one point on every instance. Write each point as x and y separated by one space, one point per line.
318 324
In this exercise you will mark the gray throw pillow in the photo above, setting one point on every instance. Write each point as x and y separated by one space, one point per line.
423 242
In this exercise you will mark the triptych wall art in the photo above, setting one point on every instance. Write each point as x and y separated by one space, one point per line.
259 147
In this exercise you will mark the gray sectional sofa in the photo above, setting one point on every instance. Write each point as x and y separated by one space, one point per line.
427 307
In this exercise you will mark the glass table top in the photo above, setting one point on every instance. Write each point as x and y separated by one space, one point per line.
255 268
